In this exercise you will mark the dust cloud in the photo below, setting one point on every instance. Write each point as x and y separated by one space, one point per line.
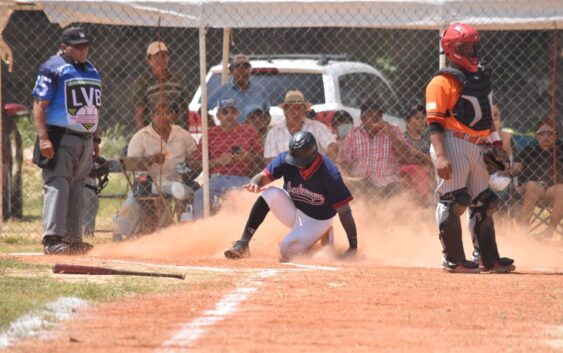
393 232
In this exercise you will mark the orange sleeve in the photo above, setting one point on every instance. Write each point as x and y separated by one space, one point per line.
441 95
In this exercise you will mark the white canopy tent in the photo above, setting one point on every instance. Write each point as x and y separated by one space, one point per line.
404 14
415 14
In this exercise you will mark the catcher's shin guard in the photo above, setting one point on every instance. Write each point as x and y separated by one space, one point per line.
450 208
482 227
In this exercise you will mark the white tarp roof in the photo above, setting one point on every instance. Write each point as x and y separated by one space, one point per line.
421 14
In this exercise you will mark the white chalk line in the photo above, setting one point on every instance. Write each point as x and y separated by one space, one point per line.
311 267
191 331
555 334
37 324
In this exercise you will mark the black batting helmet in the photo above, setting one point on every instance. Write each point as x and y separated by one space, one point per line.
302 150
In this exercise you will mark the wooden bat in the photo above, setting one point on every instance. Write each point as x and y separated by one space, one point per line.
94 270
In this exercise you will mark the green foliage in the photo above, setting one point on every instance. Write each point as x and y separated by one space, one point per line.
114 140
27 130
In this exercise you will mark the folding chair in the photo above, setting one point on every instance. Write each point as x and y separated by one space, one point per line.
539 222
130 166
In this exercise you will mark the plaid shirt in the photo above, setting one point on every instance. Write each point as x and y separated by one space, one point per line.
371 157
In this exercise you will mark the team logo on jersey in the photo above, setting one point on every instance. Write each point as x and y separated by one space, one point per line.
299 193
83 97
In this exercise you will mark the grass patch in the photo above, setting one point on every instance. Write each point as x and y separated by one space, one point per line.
26 287
20 243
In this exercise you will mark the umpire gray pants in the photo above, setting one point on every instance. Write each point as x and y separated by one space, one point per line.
63 187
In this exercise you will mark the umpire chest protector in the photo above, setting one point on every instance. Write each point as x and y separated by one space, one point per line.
473 108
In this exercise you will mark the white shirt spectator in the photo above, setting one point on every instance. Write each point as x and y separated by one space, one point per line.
179 147
277 140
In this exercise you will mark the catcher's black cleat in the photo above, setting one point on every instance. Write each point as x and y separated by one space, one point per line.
502 265
463 267
238 250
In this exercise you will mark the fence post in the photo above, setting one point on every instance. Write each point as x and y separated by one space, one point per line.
204 125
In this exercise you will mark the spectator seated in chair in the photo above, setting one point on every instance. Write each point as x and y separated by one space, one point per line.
537 176
417 173
162 146
370 154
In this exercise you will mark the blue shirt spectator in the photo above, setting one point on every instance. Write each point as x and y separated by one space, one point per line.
246 94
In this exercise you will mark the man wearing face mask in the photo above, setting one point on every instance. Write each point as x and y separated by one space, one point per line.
68 94
342 122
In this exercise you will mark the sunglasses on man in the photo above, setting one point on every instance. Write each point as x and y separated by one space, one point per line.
546 133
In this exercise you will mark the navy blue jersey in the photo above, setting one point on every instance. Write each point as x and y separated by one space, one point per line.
317 191
74 92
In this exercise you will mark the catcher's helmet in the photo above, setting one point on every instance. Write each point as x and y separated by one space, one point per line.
461 44
100 171
302 150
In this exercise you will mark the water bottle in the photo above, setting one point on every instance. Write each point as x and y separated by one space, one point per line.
188 214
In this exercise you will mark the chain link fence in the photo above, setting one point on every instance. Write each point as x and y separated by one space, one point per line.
336 68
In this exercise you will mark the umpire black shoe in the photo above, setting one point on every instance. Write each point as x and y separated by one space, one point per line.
54 245
238 250
80 247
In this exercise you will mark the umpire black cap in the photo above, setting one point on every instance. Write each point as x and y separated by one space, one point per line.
74 36
302 150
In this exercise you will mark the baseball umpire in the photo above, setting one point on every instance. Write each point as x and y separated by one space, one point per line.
458 105
312 194
67 94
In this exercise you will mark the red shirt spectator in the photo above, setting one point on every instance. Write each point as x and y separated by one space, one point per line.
233 142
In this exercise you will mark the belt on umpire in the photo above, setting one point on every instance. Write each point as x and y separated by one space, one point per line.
469 138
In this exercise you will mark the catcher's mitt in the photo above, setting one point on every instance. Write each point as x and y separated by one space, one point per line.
495 159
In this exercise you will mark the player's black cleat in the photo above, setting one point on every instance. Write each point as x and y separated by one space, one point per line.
238 250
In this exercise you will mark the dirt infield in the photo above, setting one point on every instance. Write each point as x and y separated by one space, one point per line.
260 305
394 298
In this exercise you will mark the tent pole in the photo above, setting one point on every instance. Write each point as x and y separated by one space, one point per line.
226 43
204 125
441 55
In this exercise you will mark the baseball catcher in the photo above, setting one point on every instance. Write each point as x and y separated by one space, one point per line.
312 194
458 106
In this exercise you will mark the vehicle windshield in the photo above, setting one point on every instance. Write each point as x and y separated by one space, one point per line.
359 87
277 84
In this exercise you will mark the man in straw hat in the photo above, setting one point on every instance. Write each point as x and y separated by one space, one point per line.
295 109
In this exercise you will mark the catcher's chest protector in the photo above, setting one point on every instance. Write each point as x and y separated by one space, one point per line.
474 107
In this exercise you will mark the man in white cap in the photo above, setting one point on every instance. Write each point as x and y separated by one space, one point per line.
159 84
246 94
295 109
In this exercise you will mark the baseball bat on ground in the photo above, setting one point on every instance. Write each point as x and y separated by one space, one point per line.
94 270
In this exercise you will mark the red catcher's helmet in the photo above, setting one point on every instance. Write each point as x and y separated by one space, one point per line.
461 46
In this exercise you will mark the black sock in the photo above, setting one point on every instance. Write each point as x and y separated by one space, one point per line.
256 217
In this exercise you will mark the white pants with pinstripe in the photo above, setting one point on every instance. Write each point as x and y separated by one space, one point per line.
468 171
468 167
